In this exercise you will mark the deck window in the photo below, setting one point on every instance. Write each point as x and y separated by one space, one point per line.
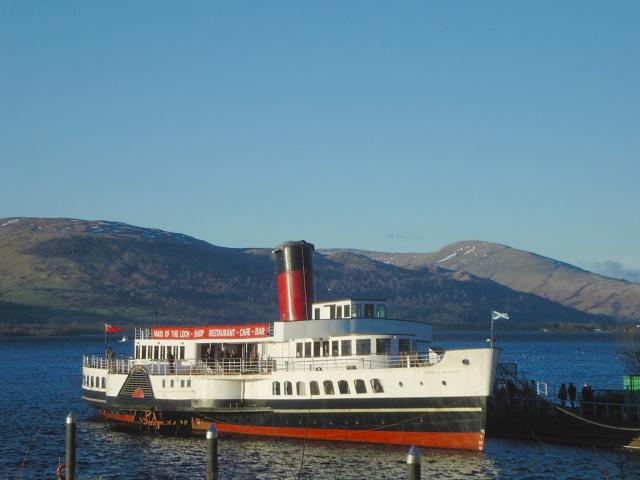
189 383
328 387
361 387
404 345
339 312
313 388
368 310
346 347
316 349
276 388
383 346
162 352
181 383
334 348
316 313
307 349
363 346
156 352
104 382
332 311
137 351
171 384
347 311
143 353
380 311
300 390
164 383
91 381
325 348
181 353
299 349
355 311
376 386
343 386
288 388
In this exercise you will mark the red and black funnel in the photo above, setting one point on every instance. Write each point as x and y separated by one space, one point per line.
294 267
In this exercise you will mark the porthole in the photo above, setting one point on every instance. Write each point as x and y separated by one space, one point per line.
421 382
400 383
382 422
466 361
444 382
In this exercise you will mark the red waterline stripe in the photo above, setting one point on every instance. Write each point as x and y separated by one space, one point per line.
457 440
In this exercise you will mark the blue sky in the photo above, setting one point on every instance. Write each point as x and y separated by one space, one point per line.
393 126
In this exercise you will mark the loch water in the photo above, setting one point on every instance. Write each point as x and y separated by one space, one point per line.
40 382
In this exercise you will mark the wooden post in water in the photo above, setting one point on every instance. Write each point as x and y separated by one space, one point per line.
70 453
212 453
414 461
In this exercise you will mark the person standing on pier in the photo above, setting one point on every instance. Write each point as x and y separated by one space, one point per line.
562 394
572 394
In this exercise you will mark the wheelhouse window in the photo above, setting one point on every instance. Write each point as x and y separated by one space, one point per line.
361 387
343 387
380 311
346 347
368 310
328 387
355 311
376 386
347 311
363 346
288 388
300 390
276 388
314 389
383 346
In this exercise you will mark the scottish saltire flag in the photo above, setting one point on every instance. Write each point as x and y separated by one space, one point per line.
497 315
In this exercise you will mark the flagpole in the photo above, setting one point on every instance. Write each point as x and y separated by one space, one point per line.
491 334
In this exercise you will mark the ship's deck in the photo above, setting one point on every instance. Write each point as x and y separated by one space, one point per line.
262 366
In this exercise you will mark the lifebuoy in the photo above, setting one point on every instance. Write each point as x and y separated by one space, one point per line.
59 474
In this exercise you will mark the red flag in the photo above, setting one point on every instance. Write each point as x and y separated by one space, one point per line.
111 329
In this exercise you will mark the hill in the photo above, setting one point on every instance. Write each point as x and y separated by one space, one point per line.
529 273
68 275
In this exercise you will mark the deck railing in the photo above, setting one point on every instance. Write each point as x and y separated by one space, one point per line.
247 366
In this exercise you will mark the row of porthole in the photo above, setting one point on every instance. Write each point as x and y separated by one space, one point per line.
314 387
182 383
94 382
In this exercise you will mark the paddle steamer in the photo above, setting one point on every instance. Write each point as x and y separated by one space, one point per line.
337 370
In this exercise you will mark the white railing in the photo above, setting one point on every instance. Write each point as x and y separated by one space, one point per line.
247 366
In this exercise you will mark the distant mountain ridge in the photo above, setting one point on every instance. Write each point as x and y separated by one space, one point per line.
69 275
530 273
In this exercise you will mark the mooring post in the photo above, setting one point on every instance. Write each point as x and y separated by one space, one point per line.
414 460
212 453
70 454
